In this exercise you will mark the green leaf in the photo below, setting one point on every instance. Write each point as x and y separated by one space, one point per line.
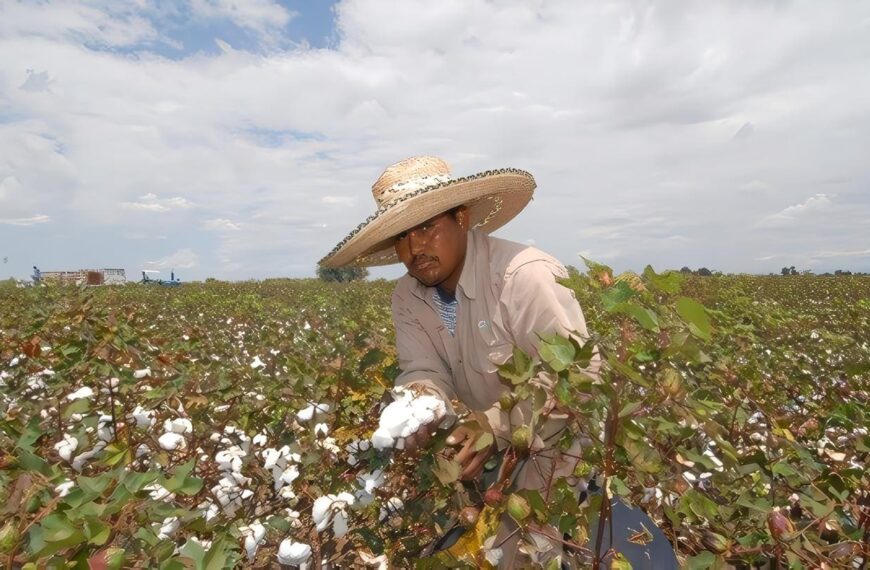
518 369
77 407
667 282
629 408
701 561
32 432
371 358
485 441
179 476
695 314
616 294
557 351
619 562
97 532
645 317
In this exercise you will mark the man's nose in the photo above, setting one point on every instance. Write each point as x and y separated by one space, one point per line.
416 241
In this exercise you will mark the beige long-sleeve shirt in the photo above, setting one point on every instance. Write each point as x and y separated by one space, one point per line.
507 294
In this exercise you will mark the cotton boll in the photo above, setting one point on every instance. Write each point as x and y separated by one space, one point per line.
339 524
159 493
64 488
260 439
254 535
257 363
382 439
144 418
290 474
142 373
178 425
172 441
321 429
393 505
293 553
80 394
395 417
320 512
168 528
66 446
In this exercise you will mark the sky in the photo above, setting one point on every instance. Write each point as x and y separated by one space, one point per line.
240 139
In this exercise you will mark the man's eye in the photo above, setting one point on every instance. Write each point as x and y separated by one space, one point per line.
401 236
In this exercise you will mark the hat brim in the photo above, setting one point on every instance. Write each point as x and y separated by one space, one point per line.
493 198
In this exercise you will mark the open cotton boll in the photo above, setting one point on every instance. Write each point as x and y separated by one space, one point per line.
393 505
382 439
254 535
172 441
321 429
257 363
64 488
81 393
307 413
66 446
168 528
178 425
144 418
158 492
142 373
293 553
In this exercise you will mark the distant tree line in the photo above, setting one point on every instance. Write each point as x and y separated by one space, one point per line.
838 273
342 274
703 272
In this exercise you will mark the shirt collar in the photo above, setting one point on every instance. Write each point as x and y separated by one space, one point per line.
468 279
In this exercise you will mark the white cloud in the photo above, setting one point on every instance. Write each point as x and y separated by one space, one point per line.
31 221
260 16
221 224
610 105
793 214
151 203
181 259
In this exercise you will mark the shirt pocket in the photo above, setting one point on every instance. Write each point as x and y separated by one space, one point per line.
489 351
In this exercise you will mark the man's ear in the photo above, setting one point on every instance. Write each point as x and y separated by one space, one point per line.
461 216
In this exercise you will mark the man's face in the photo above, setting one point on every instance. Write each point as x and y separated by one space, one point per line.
434 251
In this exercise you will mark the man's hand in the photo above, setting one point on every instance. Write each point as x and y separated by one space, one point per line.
421 437
470 461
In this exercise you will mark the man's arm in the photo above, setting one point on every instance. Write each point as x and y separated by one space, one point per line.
422 367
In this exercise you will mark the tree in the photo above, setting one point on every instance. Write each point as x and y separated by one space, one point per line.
342 274
685 269
704 272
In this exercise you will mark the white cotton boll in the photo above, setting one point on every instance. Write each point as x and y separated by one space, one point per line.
260 439
64 488
66 446
178 425
142 373
79 462
112 382
290 474
159 493
321 429
293 553
144 418
142 450
305 414
168 528
410 428
81 393
270 458
287 493
254 535
339 524
172 441
395 416
257 363
393 505
320 512
382 439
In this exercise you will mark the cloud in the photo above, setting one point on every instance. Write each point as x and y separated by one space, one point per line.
181 259
793 214
221 224
151 203
31 221
830 254
624 112
263 17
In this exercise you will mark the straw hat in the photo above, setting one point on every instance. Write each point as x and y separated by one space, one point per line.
411 191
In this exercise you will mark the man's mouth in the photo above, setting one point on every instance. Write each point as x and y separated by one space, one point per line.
421 264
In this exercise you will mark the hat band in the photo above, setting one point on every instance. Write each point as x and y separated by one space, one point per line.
412 185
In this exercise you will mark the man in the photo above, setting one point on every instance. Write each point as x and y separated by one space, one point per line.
467 299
